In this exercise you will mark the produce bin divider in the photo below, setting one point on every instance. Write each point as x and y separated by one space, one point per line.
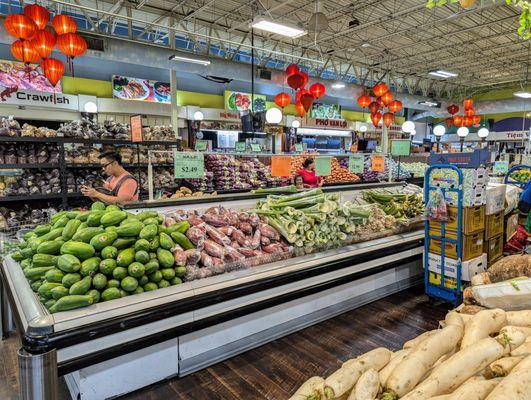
27 166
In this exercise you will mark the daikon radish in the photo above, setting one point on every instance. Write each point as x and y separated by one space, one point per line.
526 330
466 363
466 317
395 360
519 318
524 349
517 385
367 387
475 390
312 389
503 366
343 380
416 341
482 325
408 373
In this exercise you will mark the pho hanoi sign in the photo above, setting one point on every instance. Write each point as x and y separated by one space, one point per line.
43 100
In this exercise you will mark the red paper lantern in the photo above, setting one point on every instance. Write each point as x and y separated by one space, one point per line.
317 90
453 109
380 102
300 109
24 51
364 101
470 112
292 69
20 26
376 117
388 119
476 119
296 81
374 107
305 77
467 121
387 98
64 24
458 120
282 99
395 106
468 104
307 101
298 95
53 70
37 14
71 44
43 42
380 89
449 122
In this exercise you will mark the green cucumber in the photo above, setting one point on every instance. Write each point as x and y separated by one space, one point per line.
58 292
36 272
70 229
82 286
90 266
54 275
71 302
112 217
182 240
148 232
68 263
50 247
166 241
102 240
85 234
165 258
79 249
70 279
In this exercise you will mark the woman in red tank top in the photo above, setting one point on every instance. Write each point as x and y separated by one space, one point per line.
308 174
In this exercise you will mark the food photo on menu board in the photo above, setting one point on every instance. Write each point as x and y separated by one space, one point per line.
127 88
326 111
238 101
24 77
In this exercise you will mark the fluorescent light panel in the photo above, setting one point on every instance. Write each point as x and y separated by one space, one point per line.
443 74
523 95
338 85
278 28
190 60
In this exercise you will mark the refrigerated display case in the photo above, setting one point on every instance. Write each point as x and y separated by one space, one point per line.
180 329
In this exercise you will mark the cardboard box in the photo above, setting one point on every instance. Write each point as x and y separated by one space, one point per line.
471 197
494 248
472 246
468 268
472 178
494 225
473 220
511 225
450 283
495 199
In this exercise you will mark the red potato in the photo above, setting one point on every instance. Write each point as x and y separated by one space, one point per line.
264 241
246 228
269 232
243 217
217 236
503 366
194 220
408 373
311 389
466 363
196 234
273 248
367 386
215 220
255 241
516 386
474 390
254 220
482 325
213 249
226 230
343 380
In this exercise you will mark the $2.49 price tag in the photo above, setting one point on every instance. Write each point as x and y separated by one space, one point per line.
188 165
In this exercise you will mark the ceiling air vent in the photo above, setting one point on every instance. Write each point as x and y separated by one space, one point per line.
93 42
264 74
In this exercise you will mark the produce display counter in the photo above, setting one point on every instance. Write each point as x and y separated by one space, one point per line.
184 328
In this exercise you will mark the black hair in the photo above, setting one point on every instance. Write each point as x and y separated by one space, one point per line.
298 176
111 155
307 162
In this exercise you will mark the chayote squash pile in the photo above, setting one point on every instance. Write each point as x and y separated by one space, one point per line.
84 257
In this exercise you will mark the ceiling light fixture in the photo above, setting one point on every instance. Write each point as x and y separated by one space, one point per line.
363 128
189 60
338 85
523 94
408 126
439 130
483 132
365 45
462 132
273 116
278 28
430 103
199 116
91 107
296 124
443 74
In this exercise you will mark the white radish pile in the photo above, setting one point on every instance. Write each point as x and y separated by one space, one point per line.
486 356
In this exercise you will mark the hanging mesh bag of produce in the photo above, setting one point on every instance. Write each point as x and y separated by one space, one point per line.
436 208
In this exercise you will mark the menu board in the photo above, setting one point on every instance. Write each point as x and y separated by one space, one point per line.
24 77
239 101
127 88
325 111
136 128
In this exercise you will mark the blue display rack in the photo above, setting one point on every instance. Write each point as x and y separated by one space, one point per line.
507 179
440 291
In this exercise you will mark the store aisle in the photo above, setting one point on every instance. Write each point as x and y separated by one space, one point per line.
275 370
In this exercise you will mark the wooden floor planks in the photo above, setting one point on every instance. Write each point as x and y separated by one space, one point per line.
275 370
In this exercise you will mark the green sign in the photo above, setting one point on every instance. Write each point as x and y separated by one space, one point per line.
323 166
378 149
356 163
501 167
201 145
188 165
256 148
240 147
400 147
299 148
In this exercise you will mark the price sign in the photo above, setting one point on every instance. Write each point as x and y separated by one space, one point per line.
240 147
501 167
188 165
299 148
356 163
201 145
136 128
378 163
256 148
323 166
378 149
281 166
400 147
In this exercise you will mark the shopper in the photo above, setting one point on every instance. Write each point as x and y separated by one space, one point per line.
298 181
120 188
308 174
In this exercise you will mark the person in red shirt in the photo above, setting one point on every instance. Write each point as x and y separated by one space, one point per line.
308 174
120 188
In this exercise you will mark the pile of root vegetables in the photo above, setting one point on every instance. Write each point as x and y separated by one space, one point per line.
484 356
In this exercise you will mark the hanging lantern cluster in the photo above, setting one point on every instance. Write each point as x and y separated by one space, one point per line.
468 118
304 98
34 43
381 104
